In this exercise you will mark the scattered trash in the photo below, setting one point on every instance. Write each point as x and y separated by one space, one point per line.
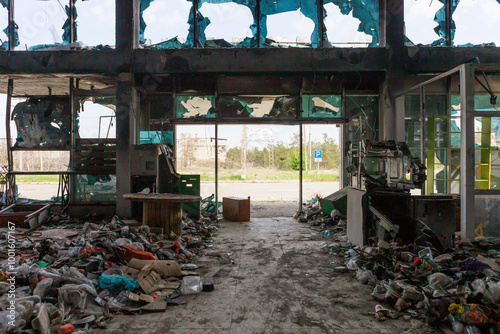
73 274
454 290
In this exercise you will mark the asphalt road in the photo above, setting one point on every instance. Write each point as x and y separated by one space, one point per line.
285 191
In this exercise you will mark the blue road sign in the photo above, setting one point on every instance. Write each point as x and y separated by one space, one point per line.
318 154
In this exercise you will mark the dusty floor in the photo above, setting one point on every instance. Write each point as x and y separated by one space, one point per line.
280 282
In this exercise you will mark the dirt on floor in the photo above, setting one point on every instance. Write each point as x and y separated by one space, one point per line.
271 276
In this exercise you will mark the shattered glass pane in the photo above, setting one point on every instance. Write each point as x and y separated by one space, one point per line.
321 105
224 15
95 188
43 123
483 103
419 20
352 23
93 15
276 106
40 23
96 120
195 106
165 20
362 112
477 23
288 26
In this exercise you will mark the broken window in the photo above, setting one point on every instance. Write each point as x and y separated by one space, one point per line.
476 24
96 22
164 23
40 23
43 123
97 119
276 106
362 112
195 106
352 23
425 21
222 16
289 26
321 105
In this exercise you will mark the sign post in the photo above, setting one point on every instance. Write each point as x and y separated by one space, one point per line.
318 157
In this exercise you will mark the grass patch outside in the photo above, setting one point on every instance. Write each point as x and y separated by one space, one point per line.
262 174
37 178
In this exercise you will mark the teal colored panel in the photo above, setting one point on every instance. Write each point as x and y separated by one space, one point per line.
156 137
190 185
322 105
195 106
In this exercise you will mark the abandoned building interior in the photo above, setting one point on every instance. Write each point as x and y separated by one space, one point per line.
407 239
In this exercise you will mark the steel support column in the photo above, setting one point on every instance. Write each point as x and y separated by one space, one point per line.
126 106
301 135
391 16
467 151
127 24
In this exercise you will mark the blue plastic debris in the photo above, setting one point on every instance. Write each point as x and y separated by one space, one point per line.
117 282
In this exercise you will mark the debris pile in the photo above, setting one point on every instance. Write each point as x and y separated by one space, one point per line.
70 275
455 290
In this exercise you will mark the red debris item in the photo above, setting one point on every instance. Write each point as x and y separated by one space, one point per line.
154 295
84 253
176 247
41 278
186 239
109 264
128 253
68 328
417 261
97 250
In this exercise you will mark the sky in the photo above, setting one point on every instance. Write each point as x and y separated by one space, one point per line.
41 22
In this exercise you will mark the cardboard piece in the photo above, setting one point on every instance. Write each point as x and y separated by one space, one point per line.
166 268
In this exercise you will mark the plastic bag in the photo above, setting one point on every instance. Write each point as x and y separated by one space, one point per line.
74 276
365 276
351 264
190 285
493 292
43 287
74 296
123 241
119 302
439 281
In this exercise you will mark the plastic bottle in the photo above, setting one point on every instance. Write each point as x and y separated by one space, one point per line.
458 327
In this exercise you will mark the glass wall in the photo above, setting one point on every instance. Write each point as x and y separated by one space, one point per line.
164 20
420 20
477 22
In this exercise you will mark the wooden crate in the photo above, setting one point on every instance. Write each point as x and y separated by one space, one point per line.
236 209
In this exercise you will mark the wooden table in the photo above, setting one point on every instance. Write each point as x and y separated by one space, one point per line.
163 210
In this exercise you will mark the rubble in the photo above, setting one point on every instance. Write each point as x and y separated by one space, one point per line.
75 274
454 290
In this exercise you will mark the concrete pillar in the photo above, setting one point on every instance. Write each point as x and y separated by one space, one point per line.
127 24
126 108
467 148
391 27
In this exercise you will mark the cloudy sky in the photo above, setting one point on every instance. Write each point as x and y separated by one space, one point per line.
40 22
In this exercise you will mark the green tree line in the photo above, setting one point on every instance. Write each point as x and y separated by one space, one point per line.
283 156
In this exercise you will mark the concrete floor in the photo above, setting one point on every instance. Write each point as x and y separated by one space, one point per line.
281 282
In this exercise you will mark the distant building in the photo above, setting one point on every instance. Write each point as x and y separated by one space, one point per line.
200 150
